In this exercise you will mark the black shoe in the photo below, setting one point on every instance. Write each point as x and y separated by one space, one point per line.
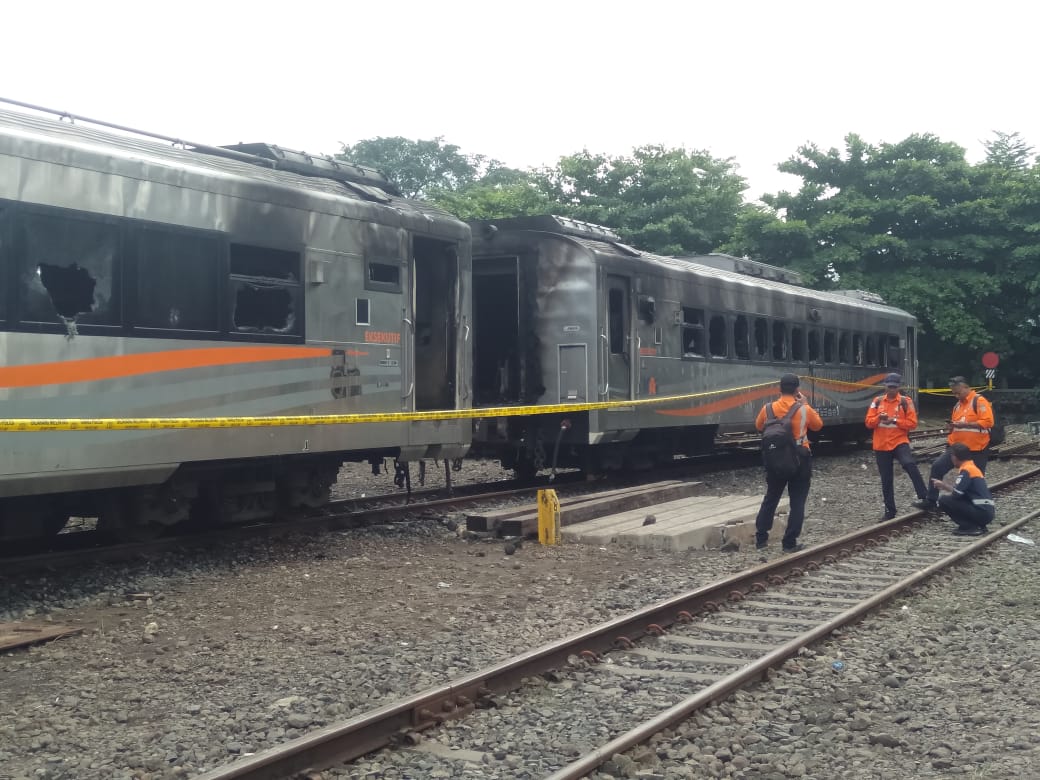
793 548
926 505
761 545
976 531
887 516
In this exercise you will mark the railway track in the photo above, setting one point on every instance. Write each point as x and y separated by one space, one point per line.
714 639
91 547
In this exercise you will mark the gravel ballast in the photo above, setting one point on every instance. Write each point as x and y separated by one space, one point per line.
185 664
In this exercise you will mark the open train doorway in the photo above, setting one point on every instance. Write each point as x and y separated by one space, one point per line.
496 324
434 304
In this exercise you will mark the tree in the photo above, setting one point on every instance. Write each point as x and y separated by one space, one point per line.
417 167
762 235
670 201
913 221
1008 151
500 193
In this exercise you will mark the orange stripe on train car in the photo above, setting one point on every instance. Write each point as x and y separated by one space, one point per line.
63 372
725 404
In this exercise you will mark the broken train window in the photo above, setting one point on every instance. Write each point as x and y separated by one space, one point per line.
69 270
265 290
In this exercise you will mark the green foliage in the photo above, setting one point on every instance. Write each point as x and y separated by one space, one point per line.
501 193
417 167
953 243
670 201
1008 151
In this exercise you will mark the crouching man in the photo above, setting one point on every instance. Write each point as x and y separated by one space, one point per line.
970 504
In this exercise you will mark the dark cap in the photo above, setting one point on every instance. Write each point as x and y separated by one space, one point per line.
957 380
789 383
893 380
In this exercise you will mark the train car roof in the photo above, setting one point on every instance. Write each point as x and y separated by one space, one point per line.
606 245
273 167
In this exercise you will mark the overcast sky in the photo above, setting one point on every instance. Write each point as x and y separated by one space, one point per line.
528 82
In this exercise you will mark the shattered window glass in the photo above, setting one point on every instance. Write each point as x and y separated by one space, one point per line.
69 270
177 281
265 290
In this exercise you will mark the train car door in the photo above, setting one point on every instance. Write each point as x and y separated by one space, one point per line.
617 340
431 331
910 360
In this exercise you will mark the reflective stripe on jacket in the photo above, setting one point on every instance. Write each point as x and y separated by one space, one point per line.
971 486
979 416
890 434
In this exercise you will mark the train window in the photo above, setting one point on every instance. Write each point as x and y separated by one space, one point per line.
779 340
69 270
844 352
814 346
870 355
361 309
829 347
741 337
264 263
857 349
693 331
761 338
717 336
5 261
892 353
177 281
798 344
265 290
616 320
385 276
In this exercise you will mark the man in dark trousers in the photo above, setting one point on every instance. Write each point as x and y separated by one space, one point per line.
970 504
970 421
892 416
803 420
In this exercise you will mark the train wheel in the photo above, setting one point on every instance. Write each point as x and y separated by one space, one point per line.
143 514
30 518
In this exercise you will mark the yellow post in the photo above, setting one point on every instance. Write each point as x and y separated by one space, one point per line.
548 517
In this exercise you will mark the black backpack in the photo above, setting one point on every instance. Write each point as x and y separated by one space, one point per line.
780 454
997 432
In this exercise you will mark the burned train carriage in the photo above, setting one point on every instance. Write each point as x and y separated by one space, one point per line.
143 280
566 314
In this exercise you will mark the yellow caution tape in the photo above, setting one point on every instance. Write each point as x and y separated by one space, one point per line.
275 421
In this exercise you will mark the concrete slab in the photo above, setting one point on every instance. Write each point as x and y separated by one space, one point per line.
698 522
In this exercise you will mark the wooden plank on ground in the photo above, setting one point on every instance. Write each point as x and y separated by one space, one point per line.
23 633
590 510
489 520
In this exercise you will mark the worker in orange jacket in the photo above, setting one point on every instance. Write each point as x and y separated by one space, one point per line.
892 416
969 425
804 419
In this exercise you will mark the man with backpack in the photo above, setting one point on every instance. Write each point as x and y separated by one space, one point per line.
785 425
970 425
892 416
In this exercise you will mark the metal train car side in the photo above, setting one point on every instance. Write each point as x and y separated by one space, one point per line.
565 313
144 280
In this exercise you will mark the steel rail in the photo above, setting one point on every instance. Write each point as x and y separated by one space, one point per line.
331 517
369 731
758 668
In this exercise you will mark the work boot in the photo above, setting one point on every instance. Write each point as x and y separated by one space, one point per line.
926 505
